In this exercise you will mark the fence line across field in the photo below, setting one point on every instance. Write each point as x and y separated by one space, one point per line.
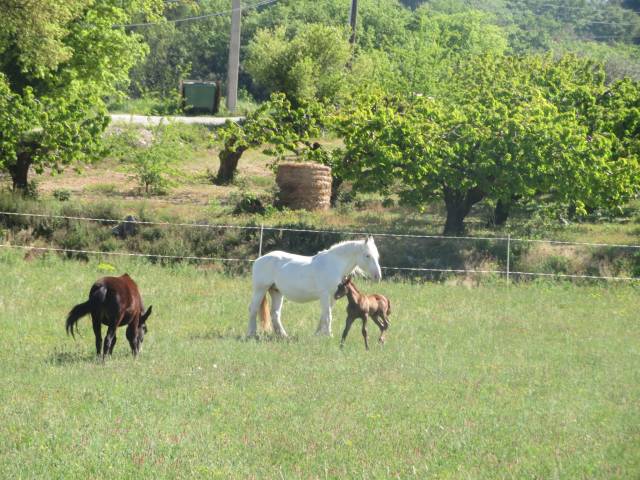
124 254
261 228
407 269
507 239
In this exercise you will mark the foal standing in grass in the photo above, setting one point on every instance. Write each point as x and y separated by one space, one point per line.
362 306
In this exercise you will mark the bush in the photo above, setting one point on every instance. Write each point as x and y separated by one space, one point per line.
154 166
62 194
249 203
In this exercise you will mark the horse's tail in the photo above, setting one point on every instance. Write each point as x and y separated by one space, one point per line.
265 315
96 296
388 307
76 314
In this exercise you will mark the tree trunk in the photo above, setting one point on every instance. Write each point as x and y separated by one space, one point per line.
336 183
501 212
19 171
458 207
228 165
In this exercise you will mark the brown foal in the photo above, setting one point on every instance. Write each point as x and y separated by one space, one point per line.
362 306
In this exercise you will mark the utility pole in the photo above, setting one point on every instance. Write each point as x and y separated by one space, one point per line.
234 57
352 21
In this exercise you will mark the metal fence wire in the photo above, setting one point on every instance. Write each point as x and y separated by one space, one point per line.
382 239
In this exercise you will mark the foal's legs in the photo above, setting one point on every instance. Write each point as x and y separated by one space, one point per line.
381 325
347 327
385 317
256 300
364 331
276 310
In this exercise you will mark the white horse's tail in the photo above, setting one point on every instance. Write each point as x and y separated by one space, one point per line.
265 315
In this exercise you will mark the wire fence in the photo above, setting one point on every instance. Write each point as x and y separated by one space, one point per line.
507 272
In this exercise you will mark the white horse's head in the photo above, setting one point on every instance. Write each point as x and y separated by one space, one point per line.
368 259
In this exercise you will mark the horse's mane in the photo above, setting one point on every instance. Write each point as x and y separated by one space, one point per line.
340 245
347 244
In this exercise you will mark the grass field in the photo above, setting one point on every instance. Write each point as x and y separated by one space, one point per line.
538 381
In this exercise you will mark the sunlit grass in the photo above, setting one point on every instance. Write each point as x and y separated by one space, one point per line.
535 381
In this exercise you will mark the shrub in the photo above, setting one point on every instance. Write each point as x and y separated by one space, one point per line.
62 194
249 203
154 166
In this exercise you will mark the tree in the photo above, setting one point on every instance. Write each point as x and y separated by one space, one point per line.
508 127
57 61
380 22
436 42
309 66
276 123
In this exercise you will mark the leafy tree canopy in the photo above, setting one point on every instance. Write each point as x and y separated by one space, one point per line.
508 128
57 61
284 129
308 66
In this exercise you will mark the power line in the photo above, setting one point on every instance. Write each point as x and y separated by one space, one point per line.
197 17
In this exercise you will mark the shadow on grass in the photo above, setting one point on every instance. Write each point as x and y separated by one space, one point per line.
66 357
216 334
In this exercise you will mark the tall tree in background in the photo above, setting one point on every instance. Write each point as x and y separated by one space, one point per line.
57 61
508 127
311 65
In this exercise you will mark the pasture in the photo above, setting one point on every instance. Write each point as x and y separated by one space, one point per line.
537 381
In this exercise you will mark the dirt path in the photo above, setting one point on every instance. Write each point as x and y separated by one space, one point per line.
155 120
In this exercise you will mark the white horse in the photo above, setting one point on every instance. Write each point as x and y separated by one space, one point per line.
304 279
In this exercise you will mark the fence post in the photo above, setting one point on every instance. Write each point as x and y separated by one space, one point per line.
260 247
508 256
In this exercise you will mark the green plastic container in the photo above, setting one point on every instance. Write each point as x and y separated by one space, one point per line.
200 96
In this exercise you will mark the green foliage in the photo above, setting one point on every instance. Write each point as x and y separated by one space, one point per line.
56 64
167 63
62 194
277 125
154 165
506 128
436 41
380 22
47 132
309 66
249 203
420 36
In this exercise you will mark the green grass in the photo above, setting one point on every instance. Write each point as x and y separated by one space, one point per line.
538 381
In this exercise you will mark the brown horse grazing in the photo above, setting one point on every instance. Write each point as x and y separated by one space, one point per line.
362 306
113 301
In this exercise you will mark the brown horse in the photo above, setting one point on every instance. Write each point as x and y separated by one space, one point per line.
362 306
113 301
